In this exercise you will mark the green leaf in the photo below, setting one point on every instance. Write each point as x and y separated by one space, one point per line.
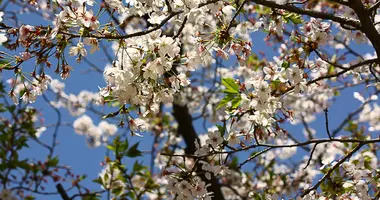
131 195
133 151
53 162
137 167
117 191
295 18
82 177
285 65
234 163
236 102
124 146
24 164
98 180
30 198
221 129
110 115
3 62
11 108
110 147
225 100
231 85
331 69
151 185
90 197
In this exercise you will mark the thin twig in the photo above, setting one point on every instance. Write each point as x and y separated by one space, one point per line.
311 156
327 123
253 157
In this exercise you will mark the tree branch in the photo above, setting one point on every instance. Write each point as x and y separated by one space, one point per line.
343 21
62 192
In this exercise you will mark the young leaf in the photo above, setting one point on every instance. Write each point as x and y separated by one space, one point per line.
221 129
236 102
133 151
225 100
112 148
231 85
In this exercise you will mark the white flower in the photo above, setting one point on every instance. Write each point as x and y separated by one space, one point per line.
276 26
214 139
116 4
272 72
233 139
183 187
138 125
168 45
78 3
281 2
228 11
39 131
294 74
83 124
7 195
164 96
201 151
1 16
57 86
247 26
93 42
3 38
124 95
95 137
29 97
153 69
155 18
79 49
199 189
107 128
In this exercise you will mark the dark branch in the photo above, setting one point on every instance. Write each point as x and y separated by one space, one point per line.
62 192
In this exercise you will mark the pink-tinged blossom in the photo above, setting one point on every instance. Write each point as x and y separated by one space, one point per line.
24 32
221 53
87 19
25 56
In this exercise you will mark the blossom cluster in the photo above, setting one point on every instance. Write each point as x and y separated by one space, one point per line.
95 135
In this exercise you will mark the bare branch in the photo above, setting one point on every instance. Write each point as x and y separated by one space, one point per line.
62 192
341 20
327 123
